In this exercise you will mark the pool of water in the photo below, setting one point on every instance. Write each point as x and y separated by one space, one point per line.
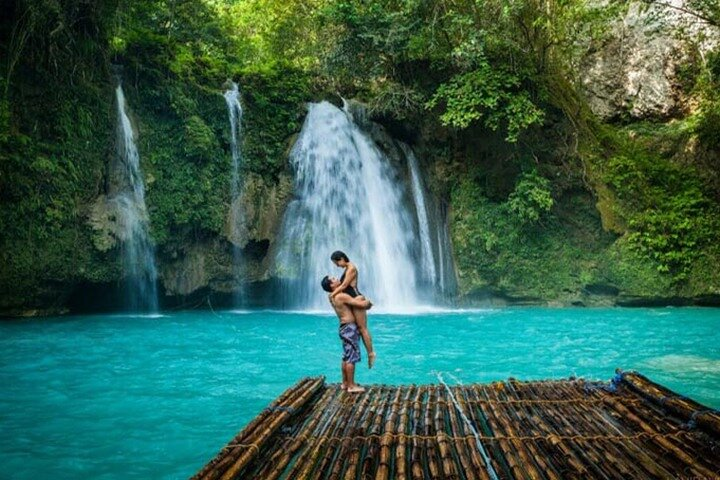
138 397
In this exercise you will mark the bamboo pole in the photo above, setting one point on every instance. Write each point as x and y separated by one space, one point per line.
306 461
691 463
679 435
267 431
385 456
468 461
416 466
401 458
350 448
357 443
588 453
573 459
659 458
608 460
333 461
431 453
250 427
479 419
445 448
512 457
247 443
473 466
372 444
636 460
518 416
501 411
535 426
275 465
358 447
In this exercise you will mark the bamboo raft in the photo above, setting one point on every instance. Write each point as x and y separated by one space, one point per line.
624 429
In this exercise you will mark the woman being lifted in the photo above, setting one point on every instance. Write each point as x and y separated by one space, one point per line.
348 284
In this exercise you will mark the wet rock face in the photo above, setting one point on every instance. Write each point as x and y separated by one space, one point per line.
209 262
261 206
637 71
192 269
103 221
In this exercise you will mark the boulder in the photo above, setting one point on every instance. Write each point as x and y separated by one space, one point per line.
636 72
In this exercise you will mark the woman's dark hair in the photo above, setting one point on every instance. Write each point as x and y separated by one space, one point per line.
337 255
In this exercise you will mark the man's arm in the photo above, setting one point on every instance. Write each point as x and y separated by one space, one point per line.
358 302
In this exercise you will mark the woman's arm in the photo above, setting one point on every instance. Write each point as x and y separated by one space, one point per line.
350 275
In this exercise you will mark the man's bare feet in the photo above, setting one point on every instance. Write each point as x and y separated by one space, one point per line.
355 389
371 359
343 386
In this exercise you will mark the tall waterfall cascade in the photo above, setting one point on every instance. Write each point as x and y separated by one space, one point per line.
138 251
351 197
235 113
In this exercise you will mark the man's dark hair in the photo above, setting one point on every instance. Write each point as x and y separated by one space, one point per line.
337 255
325 284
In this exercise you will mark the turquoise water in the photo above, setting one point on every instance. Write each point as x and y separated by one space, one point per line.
136 397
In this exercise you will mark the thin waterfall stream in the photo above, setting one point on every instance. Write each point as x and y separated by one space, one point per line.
427 257
138 251
235 114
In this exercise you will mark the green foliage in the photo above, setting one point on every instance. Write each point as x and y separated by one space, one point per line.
274 100
486 93
531 197
200 140
490 60
495 249
668 212
275 34
708 123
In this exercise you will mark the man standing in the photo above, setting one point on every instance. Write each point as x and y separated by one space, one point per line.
349 335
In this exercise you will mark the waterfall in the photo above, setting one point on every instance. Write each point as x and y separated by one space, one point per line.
235 112
348 197
137 249
427 257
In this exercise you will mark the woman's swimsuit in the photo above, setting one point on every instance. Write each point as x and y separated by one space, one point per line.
350 290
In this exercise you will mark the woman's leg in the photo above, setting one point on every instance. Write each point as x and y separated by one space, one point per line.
361 321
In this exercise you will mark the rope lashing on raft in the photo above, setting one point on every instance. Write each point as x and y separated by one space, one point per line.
478 442
246 445
522 438
279 408
509 401
692 423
